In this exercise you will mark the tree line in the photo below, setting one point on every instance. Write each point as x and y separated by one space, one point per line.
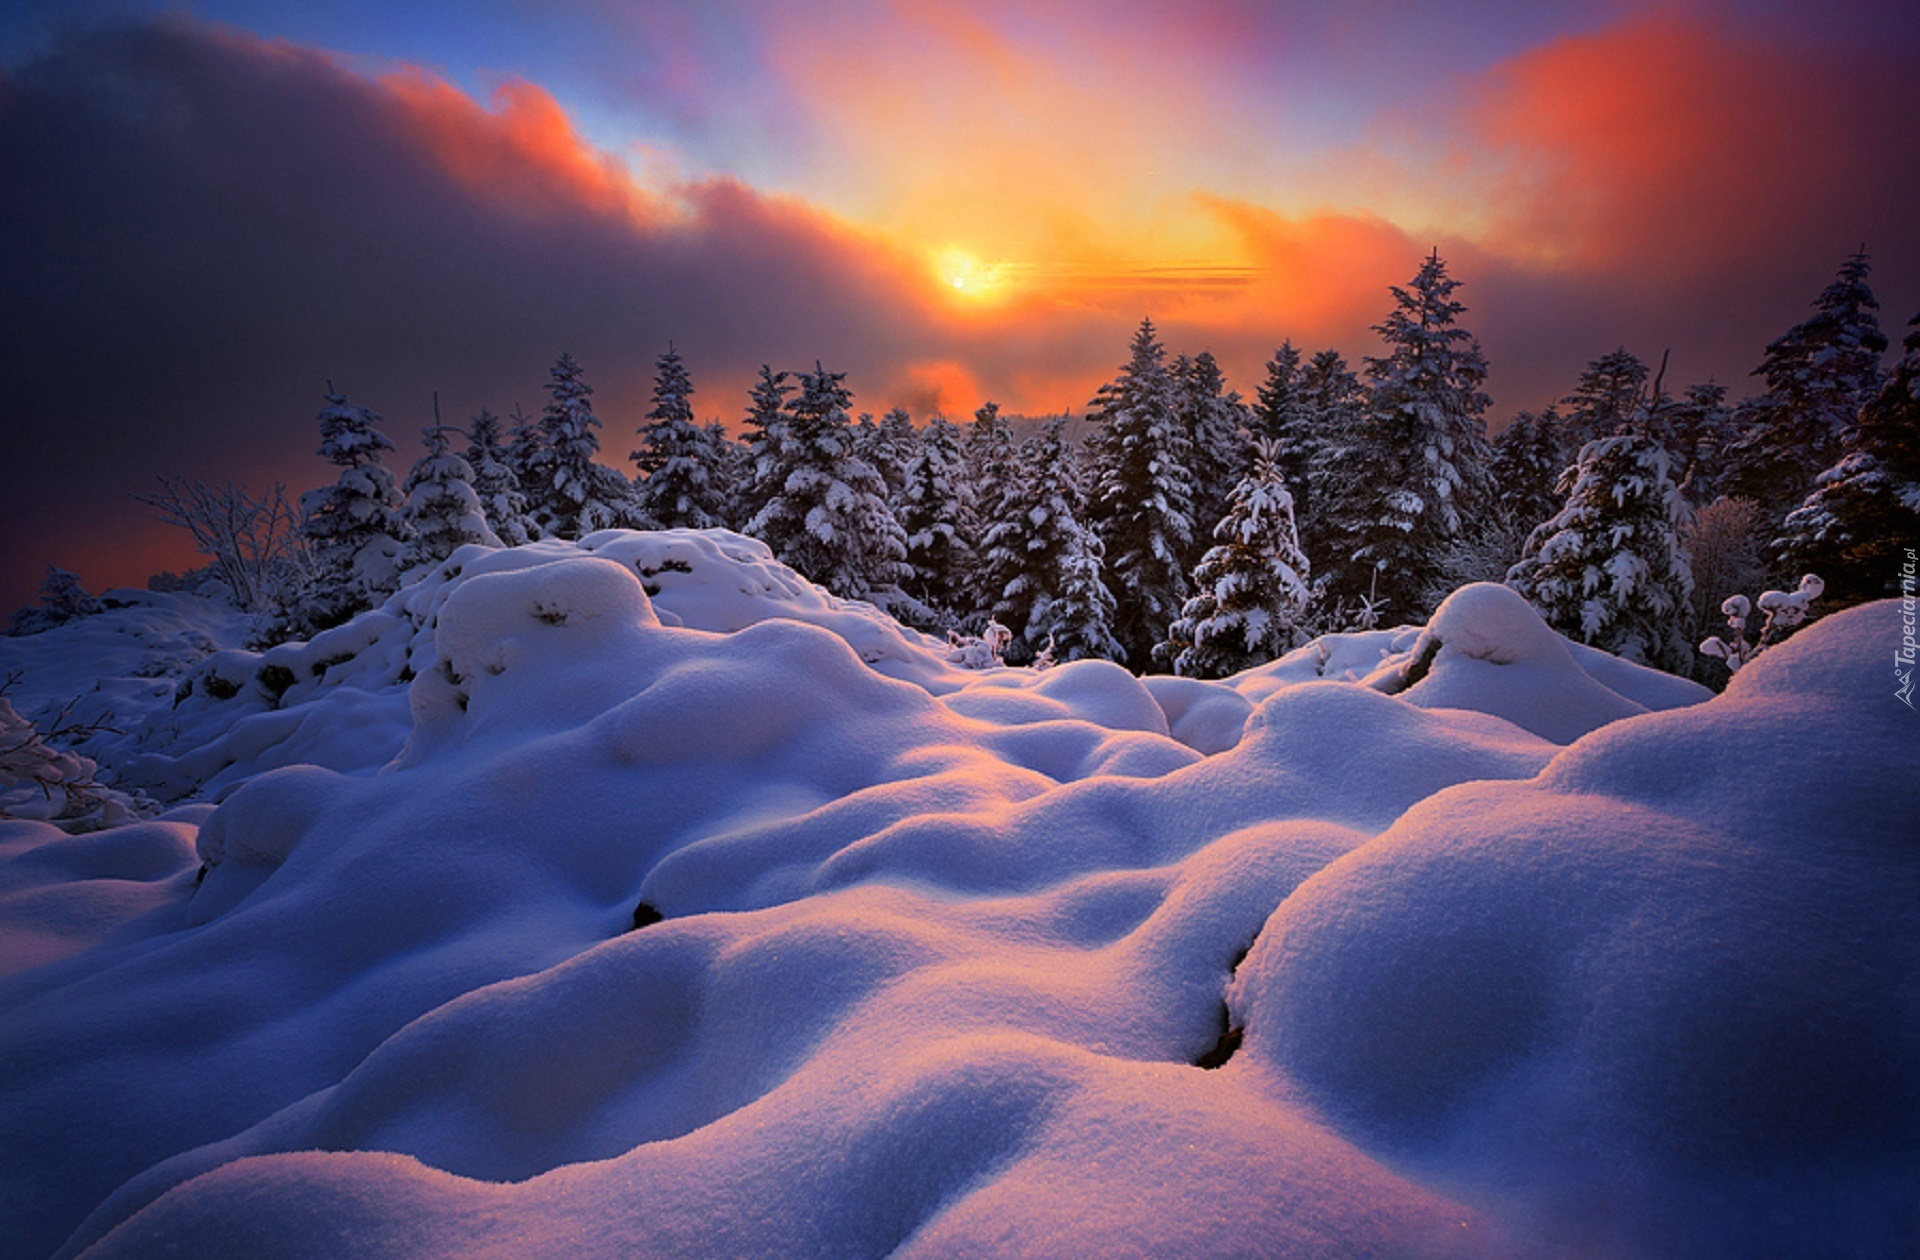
1187 528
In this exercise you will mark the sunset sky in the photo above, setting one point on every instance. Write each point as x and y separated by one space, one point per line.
207 211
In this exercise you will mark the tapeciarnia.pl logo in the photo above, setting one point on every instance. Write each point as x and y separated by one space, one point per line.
1903 657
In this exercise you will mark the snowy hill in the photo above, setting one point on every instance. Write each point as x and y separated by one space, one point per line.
634 897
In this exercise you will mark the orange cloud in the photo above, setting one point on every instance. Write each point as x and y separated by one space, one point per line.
1666 142
524 152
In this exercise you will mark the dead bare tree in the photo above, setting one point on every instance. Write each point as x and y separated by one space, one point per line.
253 541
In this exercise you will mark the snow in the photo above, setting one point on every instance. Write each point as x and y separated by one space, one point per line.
1547 956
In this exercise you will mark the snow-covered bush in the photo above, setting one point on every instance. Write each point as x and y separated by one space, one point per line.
1784 609
62 599
42 781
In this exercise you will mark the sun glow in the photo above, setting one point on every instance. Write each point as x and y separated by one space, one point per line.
966 276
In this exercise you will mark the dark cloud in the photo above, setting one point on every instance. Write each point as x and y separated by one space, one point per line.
200 229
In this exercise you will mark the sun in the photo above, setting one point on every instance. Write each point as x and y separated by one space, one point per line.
965 275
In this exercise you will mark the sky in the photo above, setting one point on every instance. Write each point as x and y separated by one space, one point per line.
210 211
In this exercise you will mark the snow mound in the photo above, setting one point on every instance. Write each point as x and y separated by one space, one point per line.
1655 1001
692 912
1486 649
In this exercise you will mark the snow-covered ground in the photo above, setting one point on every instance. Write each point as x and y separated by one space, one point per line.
634 897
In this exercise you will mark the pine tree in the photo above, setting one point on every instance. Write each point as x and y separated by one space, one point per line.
1027 547
1143 500
1856 528
1608 569
62 599
494 481
526 447
763 433
732 472
1215 421
990 490
1528 457
1335 404
572 495
891 447
829 519
1250 589
1698 433
1283 415
676 457
443 510
354 527
1819 374
931 515
1415 474
1607 397
1079 620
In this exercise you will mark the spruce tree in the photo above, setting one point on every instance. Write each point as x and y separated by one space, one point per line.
1215 421
1143 499
443 510
676 457
1415 475
1857 527
1335 403
1528 457
829 518
931 515
526 447
1698 434
572 495
1283 415
1819 374
1250 589
763 432
1079 620
1607 397
354 527
1027 546
494 481
990 489
1608 569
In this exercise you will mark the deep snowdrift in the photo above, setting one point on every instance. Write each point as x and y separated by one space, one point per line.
770 933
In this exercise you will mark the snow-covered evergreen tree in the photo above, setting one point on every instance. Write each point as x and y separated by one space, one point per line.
1283 414
1608 396
1698 431
1819 374
890 448
495 483
830 519
443 510
1078 624
527 441
677 458
990 488
1250 589
763 432
1863 516
1528 457
1027 547
1335 403
62 599
931 514
354 528
1608 569
571 494
1142 503
1215 420
730 472
1416 472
